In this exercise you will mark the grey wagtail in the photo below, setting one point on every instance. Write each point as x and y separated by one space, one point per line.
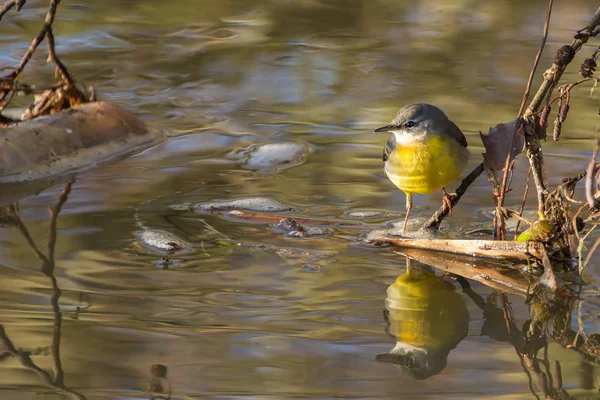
425 152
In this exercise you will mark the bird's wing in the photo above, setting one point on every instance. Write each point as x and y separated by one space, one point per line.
389 147
457 134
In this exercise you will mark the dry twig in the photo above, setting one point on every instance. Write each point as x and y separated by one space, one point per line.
63 95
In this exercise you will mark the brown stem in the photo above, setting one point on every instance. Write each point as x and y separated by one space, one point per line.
54 58
590 185
38 39
523 202
537 59
4 8
436 219
536 161
503 188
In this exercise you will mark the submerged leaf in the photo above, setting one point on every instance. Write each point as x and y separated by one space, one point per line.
498 142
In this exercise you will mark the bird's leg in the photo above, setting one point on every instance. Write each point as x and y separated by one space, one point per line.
447 200
408 208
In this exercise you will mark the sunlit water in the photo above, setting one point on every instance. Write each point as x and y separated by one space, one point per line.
249 312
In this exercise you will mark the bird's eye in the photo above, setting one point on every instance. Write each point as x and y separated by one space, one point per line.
409 124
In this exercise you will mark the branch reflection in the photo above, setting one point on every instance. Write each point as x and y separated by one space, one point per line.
10 216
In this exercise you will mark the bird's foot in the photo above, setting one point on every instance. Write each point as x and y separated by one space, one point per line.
447 200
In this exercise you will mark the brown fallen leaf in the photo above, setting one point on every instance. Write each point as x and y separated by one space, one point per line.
498 142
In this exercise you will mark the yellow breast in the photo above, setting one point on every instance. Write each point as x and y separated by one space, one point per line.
426 166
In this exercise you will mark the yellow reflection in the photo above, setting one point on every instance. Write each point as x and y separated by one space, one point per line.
427 317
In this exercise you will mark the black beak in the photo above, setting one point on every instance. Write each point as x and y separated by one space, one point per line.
386 128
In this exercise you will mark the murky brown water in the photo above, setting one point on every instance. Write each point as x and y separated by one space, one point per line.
249 312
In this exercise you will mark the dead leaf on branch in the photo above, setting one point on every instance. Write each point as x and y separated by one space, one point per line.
498 143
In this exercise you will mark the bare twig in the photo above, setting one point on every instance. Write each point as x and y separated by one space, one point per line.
523 202
590 184
536 161
436 219
61 96
499 227
553 74
53 57
551 78
537 59
4 8
38 39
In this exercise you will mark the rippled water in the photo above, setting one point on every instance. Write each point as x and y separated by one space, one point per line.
250 312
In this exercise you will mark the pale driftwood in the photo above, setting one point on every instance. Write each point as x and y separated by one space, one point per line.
69 141
499 250
495 275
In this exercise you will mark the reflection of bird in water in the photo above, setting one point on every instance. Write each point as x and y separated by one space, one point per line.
427 317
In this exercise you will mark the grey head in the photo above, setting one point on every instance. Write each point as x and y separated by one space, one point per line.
419 121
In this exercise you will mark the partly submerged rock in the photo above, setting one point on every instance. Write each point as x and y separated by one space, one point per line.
273 157
304 255
311 267
292 228
69 141
163 242
247 203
